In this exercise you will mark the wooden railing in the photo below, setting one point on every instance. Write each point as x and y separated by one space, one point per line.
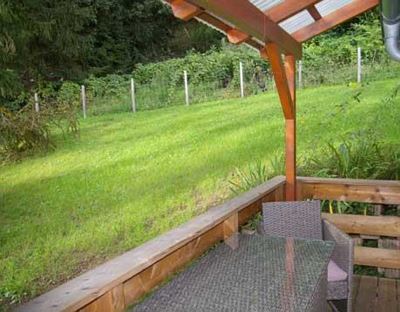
120 282
363 191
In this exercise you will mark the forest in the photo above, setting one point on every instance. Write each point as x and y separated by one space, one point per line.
44 41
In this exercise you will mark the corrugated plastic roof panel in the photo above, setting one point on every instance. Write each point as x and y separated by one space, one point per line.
264 5
302 19
297 22
326 7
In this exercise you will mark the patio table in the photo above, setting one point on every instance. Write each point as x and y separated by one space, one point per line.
263 274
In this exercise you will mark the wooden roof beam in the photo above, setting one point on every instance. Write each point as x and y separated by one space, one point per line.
185 11
247 18
354 8
288 8
226 29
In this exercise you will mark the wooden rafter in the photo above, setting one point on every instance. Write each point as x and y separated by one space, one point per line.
235 36
221 26
184 10
314 13
243 15
288 8
354 8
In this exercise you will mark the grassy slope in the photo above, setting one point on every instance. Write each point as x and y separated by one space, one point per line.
131 177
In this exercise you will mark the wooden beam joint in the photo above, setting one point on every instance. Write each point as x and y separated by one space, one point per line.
314 13
184 10
235 36
231 231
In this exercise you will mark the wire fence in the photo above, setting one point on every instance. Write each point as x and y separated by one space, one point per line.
122 94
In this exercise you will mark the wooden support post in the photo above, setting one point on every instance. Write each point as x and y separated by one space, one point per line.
133 99
290 127
185 78
83 95
290 159
285 80
37 107
241 80
231 231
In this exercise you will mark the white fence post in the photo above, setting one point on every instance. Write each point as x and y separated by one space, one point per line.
241 80
133 95
185 77
83 96
300 74
37 108
359 65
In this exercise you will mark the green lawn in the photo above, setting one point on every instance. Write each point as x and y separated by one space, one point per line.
132 177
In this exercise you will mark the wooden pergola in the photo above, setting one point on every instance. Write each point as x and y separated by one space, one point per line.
275 27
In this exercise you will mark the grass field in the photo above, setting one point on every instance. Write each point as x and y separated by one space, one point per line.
131 177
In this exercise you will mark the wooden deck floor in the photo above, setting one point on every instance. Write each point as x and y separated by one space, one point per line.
372 294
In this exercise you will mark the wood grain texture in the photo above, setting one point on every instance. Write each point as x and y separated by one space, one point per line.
377 257
366 295
386 295
365 191
373 294
353 9
112 300
368 225
290 131
356 285
231 231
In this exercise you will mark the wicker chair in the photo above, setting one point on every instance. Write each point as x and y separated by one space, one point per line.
303 220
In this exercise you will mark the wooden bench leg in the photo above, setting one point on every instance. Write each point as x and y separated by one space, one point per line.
231 231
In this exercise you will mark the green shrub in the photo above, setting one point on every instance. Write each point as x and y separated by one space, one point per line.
25 131
255 174
361 156
22 131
